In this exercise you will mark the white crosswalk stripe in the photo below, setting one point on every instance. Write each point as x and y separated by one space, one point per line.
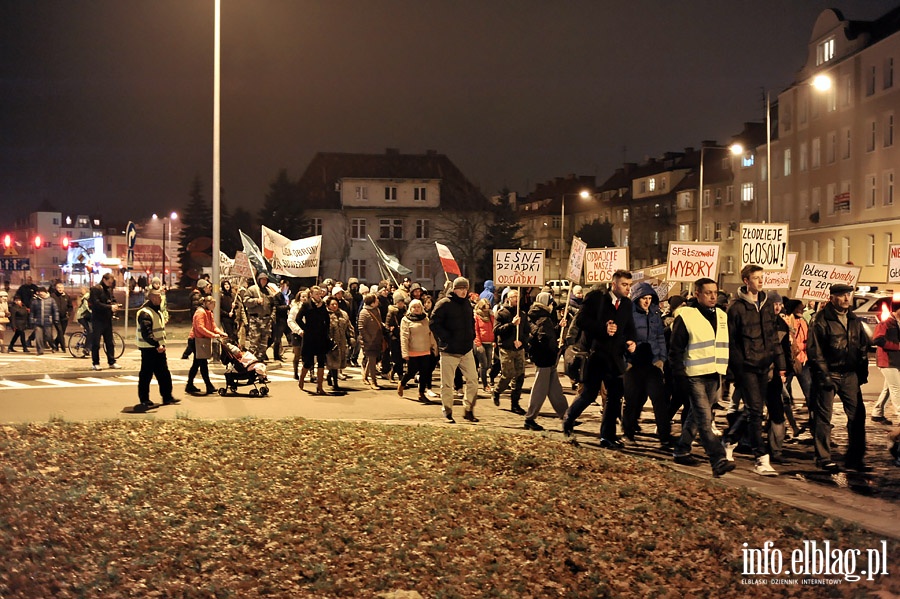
118 381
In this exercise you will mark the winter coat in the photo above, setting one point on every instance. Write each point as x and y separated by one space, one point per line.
340 332
484 329
18 316
258 302
100 302
488 292
505 330
63 303
887 340
832 347
650 332
543 344
451 323
395 315
316 324
416 338
371 332
607 353
5 313
753 335
44 312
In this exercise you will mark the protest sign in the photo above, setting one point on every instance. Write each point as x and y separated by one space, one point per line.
297 258
816 279
601 263
576 260
764 244
781 279
689 261
893 263
518 268
241 266
657 271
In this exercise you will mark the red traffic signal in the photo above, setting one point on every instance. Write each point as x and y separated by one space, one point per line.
38 242
7 240
64 242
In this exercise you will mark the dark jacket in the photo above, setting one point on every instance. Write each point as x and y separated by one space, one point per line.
18 316
280 306
101 301
452 322
316 324
543 336
63 303
753 343
650 333
833 348
395 316
607 353
505 330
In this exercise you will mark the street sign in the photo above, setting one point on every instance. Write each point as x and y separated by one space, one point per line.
10 251
15 264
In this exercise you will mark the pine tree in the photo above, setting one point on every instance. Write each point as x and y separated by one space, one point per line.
597 234
195 239
282 210
504 233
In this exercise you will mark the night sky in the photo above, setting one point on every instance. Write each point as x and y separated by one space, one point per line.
106 105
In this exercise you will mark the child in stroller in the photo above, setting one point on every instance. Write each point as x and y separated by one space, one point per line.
242 369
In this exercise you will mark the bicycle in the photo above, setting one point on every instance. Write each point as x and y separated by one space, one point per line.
80 345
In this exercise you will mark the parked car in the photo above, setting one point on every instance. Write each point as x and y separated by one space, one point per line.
559 286
871 308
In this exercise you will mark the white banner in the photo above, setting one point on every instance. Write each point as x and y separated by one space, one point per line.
816 279
690 261
893 263
576 260
601 263
781 279
297 258
518 268
764 244
657 271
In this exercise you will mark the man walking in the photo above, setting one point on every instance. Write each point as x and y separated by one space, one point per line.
103 305
605 326
511 332
838 357
258 305
151 341
754 349
452 322
698 355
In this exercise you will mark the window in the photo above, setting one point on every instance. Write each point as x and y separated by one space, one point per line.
845 146
816 202
358 269
625 215
888 191
787 162
825 51
829 251
729 195
870 254
358 228
652 184
746 192
706 198
419 194
362 192
870 191
555 222
815 250
657 210
390 193
684 233
846 90
706 229
831 98
718 201
870 138
870 81
804 157
423 230
816 152
830 193
729 269
391 228
888 74
804 107
556 245
423 268
802 255
717 231
845 250
888 240
316 224
888 129
747 160
831 150
55 221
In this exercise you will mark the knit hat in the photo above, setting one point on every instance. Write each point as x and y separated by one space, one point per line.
544 298
460 283
364 289
399 296
774 297
577 289
202 284
337 289
352 280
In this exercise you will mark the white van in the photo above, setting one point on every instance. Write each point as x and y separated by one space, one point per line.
559 286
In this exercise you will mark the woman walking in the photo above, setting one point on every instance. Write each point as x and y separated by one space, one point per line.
203 331
342 336
418 347
371 337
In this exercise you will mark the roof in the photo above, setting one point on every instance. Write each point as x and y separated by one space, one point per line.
319 182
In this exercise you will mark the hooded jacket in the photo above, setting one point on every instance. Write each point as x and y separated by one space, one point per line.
505 330
753 335
887 339
258 301
543 343
650 332
488 292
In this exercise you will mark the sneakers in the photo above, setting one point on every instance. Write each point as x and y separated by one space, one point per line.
115 366
449 417
722 467
496 397
531 425
882 420
763 468
729 450
611 444
827 465
431 394
95 367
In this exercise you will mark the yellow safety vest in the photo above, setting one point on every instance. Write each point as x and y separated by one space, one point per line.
159 328
707 351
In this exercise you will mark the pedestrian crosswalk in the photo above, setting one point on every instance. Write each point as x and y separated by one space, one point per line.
124 380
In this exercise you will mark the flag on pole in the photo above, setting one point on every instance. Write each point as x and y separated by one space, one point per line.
254 255
447 261
291 257
390 261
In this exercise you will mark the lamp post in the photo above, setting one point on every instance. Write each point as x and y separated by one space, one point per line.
167 234
584 194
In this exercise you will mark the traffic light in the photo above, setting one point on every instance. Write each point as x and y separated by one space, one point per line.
7 241
64 242
38 242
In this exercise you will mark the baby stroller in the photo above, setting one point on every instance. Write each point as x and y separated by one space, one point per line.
238 374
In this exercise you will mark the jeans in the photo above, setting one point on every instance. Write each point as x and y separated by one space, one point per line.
892 385
102 330
702 394
846 386
484 355
756 393
612 408
641 381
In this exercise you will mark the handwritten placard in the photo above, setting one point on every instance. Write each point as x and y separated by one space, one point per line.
893 263
816 279
690 261
518 268
657 271
576 260
765 245
601 263
781 279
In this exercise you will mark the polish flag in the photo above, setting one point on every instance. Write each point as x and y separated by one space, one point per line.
447 262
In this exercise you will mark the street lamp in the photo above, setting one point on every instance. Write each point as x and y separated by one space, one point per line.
584 194
735 149
167 227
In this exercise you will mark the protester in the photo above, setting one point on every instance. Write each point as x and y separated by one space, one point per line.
5 319
281 302
258 306
300 298
543 342
451 323
887 340
395 315
341 333
151 341
371 338
19 320
226 310
203 331
418 347
44 317
511 332
484 341
315 327
103 305
196 300
63 307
